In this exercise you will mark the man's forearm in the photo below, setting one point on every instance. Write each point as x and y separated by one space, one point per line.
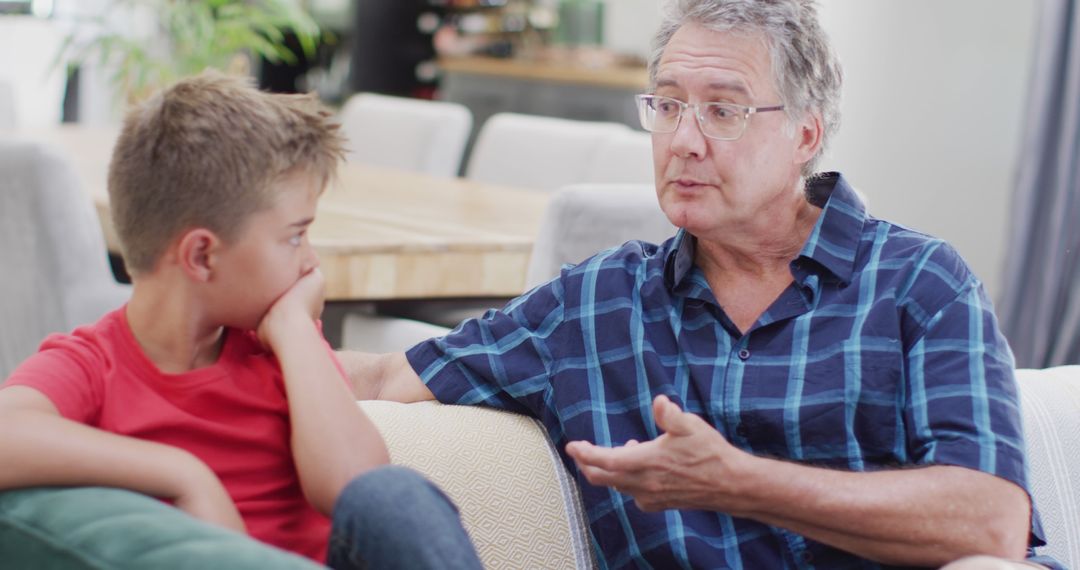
927 516
383 377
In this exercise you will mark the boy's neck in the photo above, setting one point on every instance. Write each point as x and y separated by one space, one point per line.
171 327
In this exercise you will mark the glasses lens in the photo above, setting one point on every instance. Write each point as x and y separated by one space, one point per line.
722 121
659 114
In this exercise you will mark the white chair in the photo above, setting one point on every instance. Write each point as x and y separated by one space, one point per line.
7 106
584 219
540 153
580 220
52 251
623 158
407 134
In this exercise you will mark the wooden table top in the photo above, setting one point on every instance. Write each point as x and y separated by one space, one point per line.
381 234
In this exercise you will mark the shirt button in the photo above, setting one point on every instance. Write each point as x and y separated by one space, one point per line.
741 431
744 354
806 556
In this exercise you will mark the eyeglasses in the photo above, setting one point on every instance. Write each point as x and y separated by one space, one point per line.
721 121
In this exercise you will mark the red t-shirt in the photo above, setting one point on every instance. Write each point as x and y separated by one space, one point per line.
233 415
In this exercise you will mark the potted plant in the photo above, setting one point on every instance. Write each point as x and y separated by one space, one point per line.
185 37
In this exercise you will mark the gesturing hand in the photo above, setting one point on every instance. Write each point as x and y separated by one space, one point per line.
689 466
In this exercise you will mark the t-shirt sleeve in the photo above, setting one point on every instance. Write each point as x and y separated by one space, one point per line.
68 371
502 360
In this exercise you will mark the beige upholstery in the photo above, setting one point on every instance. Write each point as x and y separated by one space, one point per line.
517 501
1051 410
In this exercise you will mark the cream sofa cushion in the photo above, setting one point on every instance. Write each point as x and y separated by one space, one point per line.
1050 400
517 501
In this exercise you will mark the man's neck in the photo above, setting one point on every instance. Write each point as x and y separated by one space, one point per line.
171 327
765 246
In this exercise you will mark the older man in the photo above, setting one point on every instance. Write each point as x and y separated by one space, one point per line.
849 400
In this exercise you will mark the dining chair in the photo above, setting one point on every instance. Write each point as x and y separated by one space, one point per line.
7 105
539 153
580 220
52 252
417 135
624 157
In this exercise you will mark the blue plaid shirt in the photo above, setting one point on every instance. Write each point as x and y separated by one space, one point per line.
883 352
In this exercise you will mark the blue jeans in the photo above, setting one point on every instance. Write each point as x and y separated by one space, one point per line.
392 517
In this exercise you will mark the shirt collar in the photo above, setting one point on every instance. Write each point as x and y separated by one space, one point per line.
835 239
832 243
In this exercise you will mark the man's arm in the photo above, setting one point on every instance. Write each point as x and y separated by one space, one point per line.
383 377
923 516
38 447
333 441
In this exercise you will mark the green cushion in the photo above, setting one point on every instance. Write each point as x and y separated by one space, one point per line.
82 528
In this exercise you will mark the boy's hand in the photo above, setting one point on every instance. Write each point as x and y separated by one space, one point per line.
302 302
197 491
211 504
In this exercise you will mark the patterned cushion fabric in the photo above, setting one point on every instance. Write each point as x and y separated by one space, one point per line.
1051 410
517 501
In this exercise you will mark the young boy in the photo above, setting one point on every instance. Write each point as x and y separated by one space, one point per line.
213 388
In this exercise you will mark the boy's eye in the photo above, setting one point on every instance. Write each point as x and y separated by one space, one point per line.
297 239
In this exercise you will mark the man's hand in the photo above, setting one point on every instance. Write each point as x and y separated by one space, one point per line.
689 466
304 299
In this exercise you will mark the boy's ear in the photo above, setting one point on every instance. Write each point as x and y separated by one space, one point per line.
196 252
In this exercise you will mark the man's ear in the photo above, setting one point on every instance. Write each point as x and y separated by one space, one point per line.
808 137
197 252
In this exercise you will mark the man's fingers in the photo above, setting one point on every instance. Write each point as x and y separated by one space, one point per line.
633 458
670 418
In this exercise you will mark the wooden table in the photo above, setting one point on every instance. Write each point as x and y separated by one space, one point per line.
382 234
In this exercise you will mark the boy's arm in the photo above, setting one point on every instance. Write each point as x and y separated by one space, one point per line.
332 440
40 447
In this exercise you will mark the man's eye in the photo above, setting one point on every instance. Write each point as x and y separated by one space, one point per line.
297 239
667 107
721 113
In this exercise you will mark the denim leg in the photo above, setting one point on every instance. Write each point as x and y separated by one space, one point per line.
392 517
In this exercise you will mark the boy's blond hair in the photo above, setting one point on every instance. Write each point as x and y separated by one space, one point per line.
204 153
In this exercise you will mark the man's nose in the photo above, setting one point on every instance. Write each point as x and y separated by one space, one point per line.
688 140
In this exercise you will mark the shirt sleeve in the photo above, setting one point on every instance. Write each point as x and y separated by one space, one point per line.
502 360
963 405
69 372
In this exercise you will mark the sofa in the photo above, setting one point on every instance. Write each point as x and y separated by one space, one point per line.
519 504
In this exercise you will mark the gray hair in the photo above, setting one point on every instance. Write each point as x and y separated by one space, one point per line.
805 70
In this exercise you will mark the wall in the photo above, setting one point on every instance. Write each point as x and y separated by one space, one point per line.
933 98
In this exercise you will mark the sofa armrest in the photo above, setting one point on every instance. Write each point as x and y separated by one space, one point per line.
1050 400
517 501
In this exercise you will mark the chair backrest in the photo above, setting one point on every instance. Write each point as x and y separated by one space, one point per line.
1050 400
584 219
52 252
623 158
540 153
408 134
7 105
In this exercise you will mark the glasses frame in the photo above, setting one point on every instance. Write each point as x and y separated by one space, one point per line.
744 112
